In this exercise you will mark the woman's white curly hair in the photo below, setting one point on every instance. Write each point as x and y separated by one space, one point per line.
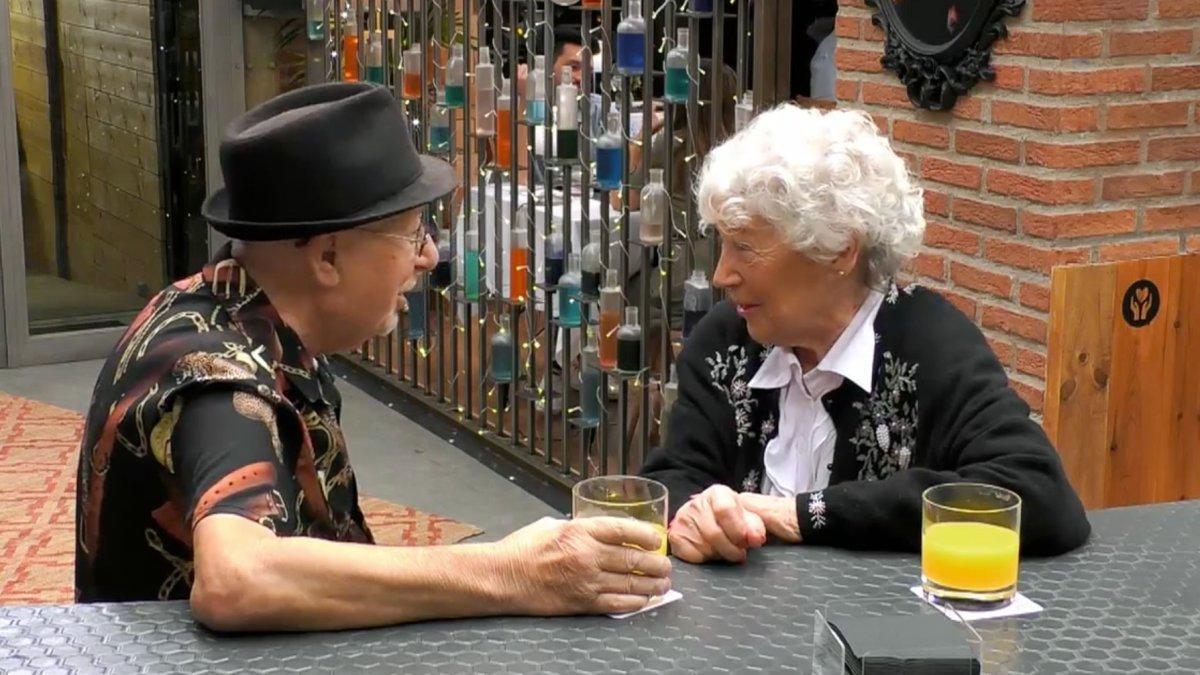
820 178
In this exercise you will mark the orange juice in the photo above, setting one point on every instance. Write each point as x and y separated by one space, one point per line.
970 556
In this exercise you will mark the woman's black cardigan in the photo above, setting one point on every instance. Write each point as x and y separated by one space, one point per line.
940 410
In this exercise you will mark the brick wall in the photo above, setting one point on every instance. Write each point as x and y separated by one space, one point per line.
1086 148
114 226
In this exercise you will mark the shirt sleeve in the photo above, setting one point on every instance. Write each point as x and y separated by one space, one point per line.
228 458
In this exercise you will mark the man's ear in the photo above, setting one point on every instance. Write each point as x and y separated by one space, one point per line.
321 259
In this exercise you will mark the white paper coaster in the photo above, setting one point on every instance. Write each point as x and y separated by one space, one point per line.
1020 605
670 596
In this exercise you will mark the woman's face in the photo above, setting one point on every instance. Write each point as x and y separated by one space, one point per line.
776 289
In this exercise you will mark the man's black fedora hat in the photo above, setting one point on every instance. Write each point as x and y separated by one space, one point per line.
321 159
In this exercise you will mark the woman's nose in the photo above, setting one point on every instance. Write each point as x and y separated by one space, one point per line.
725 276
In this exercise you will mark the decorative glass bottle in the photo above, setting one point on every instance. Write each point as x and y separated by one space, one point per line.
656 203
455 78
568 293
567 117
316 19
743 111
610 318
610 149
697 300
678 83
443 273
416 311
439 126
631 41
590 401
553 263
375 70
591 265
472 264
504 126
485 89
411 88
629 343
535 92
502 357
518 258
350 50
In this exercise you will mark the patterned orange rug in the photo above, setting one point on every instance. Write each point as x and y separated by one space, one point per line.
39 444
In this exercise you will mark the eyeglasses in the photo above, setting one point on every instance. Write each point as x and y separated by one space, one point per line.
417 240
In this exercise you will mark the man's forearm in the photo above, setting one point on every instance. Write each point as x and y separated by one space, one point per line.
300 583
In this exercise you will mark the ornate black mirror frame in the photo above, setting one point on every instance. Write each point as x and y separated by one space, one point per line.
937 74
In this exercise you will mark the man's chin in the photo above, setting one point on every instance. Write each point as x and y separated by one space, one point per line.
389 326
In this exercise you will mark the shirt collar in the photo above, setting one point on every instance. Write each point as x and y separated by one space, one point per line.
852 355
246 302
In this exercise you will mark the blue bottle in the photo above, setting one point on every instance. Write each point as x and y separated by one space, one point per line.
610 150
502 359
439 126
472 265
535 92
631 41
568 293
316 19
678 83
455 78
416 312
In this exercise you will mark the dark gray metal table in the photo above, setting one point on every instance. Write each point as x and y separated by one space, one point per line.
1127 602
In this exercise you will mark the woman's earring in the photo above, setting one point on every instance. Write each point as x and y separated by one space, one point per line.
841 273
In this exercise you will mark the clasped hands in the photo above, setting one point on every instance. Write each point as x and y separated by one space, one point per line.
720 524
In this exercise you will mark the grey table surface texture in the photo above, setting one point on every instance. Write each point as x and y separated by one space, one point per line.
1129 601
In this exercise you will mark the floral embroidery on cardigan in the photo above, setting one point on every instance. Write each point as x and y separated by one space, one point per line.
727 372
894 292
887 427
816 509
752 482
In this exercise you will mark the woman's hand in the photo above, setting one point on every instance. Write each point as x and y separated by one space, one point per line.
714 526
778 514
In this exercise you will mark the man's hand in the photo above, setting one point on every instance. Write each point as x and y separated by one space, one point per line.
584 566
778 514
715 526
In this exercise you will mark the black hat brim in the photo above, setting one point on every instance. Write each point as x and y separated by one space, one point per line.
436 181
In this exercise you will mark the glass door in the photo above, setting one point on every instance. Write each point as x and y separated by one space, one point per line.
95 158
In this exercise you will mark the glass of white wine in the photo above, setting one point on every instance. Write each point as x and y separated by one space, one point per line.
623 497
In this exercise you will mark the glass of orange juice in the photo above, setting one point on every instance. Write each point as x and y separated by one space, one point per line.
624 497
970 544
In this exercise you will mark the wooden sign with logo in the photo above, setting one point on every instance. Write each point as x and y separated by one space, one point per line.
1123 379
941 48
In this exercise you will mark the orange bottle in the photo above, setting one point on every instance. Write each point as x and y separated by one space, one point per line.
411 81
518 271
504 127
350 52
610 319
